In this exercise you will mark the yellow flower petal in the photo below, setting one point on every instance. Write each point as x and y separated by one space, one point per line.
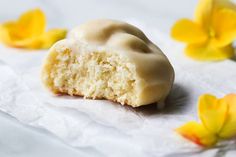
53 35
225 4
46 40
29 32
206 9
187 31
212 112
207 53
197 133
203 12
29 43
229 128
7 31
24 33
224 26
31 23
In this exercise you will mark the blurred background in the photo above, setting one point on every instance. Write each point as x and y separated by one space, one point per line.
70 13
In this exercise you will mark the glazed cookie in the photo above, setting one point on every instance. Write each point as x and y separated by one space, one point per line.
108 59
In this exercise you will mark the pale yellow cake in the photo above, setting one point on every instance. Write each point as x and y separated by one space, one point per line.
108 59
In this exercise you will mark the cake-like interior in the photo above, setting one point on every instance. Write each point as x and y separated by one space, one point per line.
93 75
109 59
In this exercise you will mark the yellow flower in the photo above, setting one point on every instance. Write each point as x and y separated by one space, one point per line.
218 121
29 31
210 35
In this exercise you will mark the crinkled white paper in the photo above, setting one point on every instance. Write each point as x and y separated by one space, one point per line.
107 128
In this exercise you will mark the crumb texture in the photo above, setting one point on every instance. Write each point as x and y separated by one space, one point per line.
94 75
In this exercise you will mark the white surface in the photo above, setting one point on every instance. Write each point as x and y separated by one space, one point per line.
108 130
